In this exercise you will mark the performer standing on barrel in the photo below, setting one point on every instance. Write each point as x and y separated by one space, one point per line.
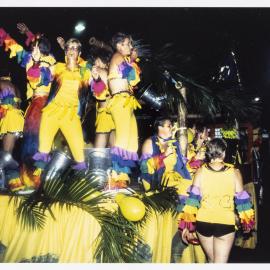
71 81
38 86
105 128
123 76
11 127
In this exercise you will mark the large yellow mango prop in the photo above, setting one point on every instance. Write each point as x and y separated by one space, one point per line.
131 208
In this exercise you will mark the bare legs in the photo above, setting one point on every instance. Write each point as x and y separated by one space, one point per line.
9 142
217 249
103 140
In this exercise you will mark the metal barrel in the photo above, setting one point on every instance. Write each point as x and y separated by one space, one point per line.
7 161
57 166
2 180
99 163
152 98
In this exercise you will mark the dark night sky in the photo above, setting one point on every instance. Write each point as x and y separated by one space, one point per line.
204 34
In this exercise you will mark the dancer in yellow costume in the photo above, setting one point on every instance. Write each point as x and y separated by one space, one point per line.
161 165
11 125
216 188
105 128
64 107
38 86
11 117
123 76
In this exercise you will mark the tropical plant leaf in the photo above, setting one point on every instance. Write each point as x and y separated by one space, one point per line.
118 238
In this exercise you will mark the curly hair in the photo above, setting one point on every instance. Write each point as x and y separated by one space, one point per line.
215 149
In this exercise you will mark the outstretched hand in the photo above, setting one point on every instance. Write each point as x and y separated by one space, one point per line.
61 42
22 28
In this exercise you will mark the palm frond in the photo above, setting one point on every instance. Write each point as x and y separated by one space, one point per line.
118 239
162 201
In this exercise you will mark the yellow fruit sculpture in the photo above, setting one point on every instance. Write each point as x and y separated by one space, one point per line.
131 208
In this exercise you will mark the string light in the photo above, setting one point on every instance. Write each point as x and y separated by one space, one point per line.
80 27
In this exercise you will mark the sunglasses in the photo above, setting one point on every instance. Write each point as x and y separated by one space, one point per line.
73 48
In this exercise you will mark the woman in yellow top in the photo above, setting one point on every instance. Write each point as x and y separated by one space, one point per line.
71 82
105 128
216 189
123 76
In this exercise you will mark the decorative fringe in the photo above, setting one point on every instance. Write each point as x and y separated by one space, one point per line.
38 172
245 210
14 181
187 217
117 181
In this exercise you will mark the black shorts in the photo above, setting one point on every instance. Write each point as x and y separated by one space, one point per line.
213 229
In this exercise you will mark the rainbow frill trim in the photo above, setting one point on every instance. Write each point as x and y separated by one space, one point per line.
245 210
187 218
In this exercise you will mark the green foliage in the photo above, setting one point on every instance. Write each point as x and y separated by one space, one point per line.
118 238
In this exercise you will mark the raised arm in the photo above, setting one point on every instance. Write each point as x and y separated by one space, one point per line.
25 31
14 48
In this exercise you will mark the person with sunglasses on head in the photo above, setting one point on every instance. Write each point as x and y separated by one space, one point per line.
64 107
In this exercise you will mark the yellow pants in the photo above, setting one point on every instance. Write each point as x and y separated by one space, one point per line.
55 117
122 107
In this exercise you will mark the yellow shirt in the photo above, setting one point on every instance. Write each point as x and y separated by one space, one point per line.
69 84
217 189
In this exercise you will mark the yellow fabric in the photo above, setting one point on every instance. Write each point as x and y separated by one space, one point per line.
62 112
146 185
55 117
193 254
71 236
14 49
104 121
62 74
13 120
158 233
121 107
217 204
170 162
69 84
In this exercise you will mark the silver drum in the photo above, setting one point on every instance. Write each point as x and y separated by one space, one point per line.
57 166
99 163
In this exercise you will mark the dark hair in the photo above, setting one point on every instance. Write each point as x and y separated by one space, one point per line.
159 122
104 55
215 149
119 37
44 45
